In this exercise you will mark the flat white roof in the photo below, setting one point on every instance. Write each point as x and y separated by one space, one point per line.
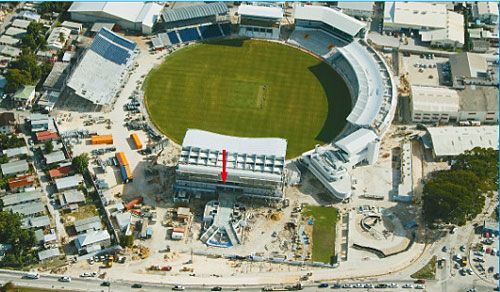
416 14
361 6
357 141
435 99
213 141
485 8
453 32
329 16
260 11
452 141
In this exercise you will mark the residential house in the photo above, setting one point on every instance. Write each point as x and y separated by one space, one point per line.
69 182
94 240
25 95
15 167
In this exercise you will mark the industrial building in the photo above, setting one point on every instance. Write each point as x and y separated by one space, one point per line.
434 104
486 12
357 9
255 166
432 21
405 185
135 16
448 142
102 69
471 69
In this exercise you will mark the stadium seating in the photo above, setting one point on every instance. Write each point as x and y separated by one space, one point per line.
313 40
117 39
189 35
210 31
172 36
110 51
226 28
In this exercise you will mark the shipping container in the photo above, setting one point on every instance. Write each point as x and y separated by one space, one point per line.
136 140
122 160
123 174
101 139
129 173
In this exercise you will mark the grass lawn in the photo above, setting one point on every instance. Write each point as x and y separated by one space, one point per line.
248 88
323 240
428 272
83 212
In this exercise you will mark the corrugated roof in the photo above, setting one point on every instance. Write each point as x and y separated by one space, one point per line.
434 99
55 79
89 223
27 209
15 151
48 254
72 196
20 198
60 171
14 167
68 182
194 11
35 222
53 157
452 141
92 237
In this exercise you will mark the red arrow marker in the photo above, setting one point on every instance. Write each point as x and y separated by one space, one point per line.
224 172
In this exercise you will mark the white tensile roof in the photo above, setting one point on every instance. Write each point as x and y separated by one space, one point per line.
259 146
331 17
452 141
260 11
435 99
357 141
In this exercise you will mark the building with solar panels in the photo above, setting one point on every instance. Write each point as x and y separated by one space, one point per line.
255 166
101 71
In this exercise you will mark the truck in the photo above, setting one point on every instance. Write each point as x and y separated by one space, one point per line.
101 139
136 140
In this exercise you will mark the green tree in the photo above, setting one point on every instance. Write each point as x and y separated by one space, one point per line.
80 163
22 241
49 147
8 287
27 62
16 79
483 162
4 159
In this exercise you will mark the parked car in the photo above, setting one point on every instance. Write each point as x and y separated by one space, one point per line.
65 279
323 285
137 286
106 284
217 288
420 286
408 285
178 288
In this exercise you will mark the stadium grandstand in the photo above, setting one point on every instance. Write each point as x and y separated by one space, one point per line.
192 23
338 39
260 21
330 20
136 16
195 15
101 70
255 166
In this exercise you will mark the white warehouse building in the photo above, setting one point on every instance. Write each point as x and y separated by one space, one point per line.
137 16
432 21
